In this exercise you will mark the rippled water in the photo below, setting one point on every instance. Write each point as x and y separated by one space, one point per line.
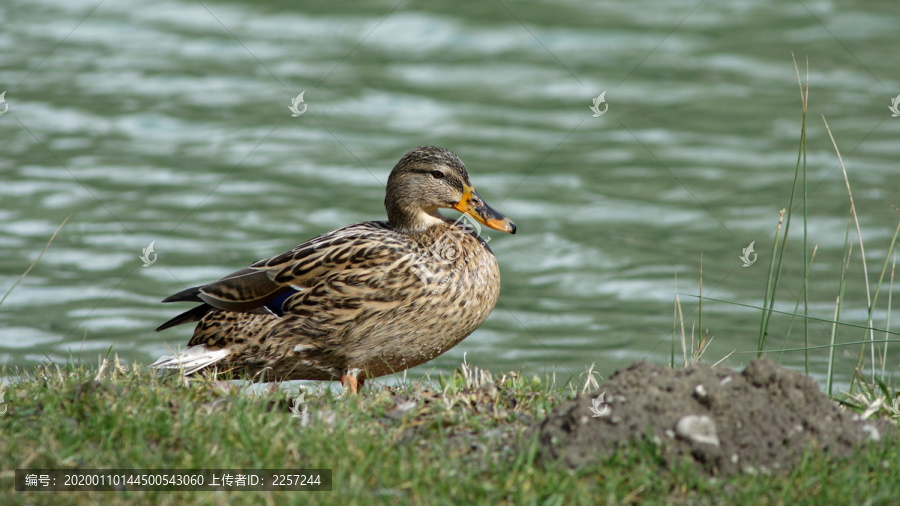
168 122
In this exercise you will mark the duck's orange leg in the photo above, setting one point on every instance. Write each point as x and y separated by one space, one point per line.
350 379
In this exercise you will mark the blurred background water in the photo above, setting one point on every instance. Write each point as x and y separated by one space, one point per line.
168 122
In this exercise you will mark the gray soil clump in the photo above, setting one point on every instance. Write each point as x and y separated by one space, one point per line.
760 420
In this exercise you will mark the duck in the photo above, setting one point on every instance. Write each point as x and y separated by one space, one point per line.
362 301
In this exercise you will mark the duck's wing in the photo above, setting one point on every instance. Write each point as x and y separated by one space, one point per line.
264 285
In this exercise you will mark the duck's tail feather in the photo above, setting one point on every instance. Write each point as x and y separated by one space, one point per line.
191 294
190 359
191 315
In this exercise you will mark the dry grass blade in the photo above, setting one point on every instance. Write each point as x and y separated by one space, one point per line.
681 319
830 375
590 382
804 94
38 259
862 250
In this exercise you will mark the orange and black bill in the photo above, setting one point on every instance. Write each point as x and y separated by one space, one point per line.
473 205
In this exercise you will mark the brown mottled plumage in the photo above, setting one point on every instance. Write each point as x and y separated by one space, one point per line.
362 301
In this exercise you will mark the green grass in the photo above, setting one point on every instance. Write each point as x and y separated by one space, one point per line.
464 440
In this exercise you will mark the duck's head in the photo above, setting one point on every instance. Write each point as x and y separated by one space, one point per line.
427 179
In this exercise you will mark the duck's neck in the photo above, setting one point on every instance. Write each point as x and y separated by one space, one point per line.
414 222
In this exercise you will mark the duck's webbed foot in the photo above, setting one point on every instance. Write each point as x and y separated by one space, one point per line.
349 379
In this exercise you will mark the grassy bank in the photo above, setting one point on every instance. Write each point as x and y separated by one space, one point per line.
453 440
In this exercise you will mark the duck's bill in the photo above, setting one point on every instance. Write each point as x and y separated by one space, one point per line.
473 205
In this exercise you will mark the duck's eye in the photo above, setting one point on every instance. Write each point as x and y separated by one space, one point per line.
437 174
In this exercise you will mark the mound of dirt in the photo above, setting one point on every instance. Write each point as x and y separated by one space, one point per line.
760 420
